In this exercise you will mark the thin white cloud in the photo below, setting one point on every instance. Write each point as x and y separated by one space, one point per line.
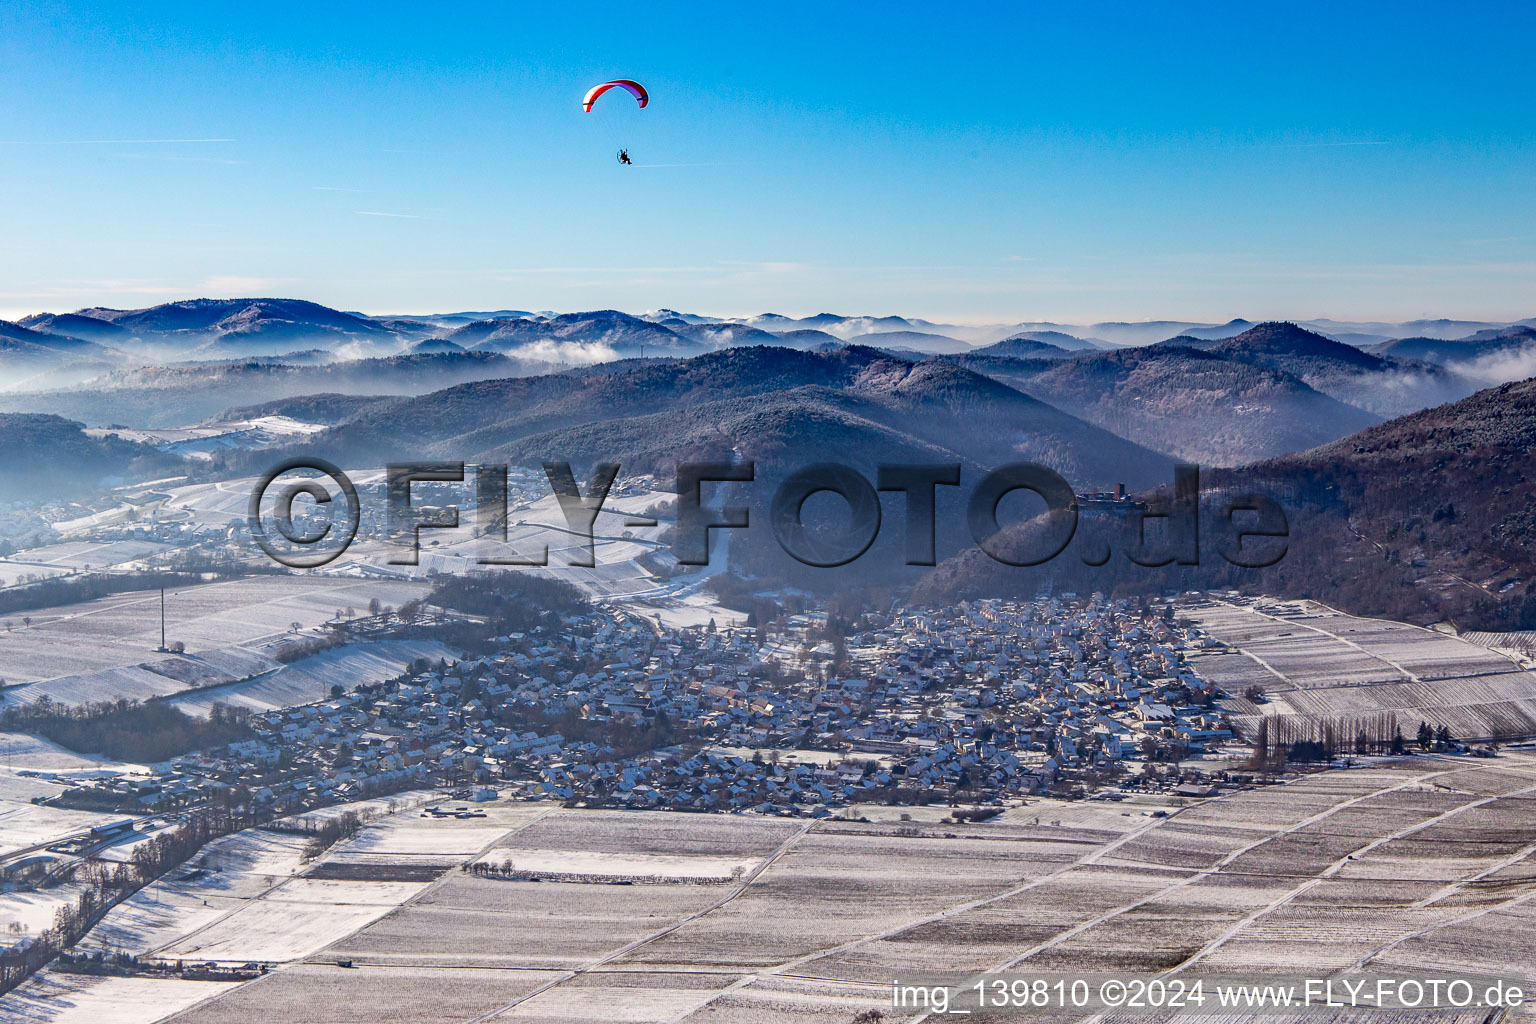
337 188
380 213
1347 142
109 142
177 158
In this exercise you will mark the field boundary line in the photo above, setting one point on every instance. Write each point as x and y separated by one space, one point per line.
1206 872
603 961
1333 869
169 1018
784 969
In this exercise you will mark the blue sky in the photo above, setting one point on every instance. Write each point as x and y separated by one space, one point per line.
977 163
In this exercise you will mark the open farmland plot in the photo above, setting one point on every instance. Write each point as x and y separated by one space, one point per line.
96 554
327 994
575 865
275 917
796 999
1484 940
619 997
24 826
224 876
28 912
1421 864
120 632
493 923
421 837
273 931
833 885
13 572
1308 659
1181 845
53 998
1422 653
310 679
408 846
1322 664
1313 937
1379 649
995 930
1233 671
618 832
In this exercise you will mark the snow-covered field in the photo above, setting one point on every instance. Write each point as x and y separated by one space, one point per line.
1314 662
24 825
26 912
411 836
331 890
228 873
310 679
80 554
17 570
53 998
246 897
22 751
72 556
273 931
531 528
201 441
1406 864
107 648
598 866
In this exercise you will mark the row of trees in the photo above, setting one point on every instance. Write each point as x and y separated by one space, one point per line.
330 832
510 601
128 730
103 885
56 591
1279 739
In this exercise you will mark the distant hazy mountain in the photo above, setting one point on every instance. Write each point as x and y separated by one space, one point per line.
435 345
166 396
596 336
461 318
1426 517
76 461
236 316
833 323
1230 329
1489 355
806 338
718 335
670 315
848 328
181 362
258 322
327 408
75 325
1201 407
31 359
1032 343
1429 515
17 340
229 328
914 341
1143 332
1024 348
780 403
1379 384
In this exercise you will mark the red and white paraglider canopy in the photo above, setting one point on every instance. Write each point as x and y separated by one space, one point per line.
635 89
